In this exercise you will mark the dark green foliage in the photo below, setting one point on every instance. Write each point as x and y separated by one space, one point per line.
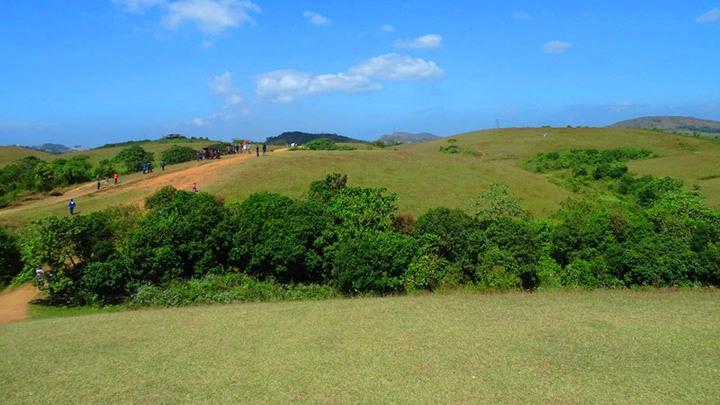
178 238
449 231
278 237
31 174
574 158
190 247
105 168
356 210
301 138
10 263
373 262
325 144
178 154
133 158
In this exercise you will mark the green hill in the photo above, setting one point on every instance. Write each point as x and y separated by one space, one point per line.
406 137
421 175
9 154
301 138
673 124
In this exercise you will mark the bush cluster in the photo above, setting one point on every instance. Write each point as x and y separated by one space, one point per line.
191 247
586 158
178 154
31 174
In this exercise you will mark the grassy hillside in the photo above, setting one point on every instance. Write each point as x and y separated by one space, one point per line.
547 347
671 123
9 154
96 155
423 176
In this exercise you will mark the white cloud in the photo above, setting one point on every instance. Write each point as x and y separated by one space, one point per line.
199 122
556 47
138 6
223 87
429 41
393 66
709 17
211 16
315 18
284 86
521 15
387 28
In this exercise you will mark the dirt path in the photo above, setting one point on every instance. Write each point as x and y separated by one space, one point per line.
180 178
14 302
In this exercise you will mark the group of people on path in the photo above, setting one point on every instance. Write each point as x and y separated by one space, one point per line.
207 154
115 176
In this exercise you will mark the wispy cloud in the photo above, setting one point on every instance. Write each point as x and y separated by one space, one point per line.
223 87
315 18
393 66
284 86
210 16
521 15
709 17
429 41
387 28
556 47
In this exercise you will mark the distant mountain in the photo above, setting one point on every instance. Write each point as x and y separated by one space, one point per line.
51 148
672 124
406 137
301 138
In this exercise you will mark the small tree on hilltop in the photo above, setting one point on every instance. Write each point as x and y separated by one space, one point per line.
500 202
133 157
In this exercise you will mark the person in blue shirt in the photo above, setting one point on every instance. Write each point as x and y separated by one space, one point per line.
71 205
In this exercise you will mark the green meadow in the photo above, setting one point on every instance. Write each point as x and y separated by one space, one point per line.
653 346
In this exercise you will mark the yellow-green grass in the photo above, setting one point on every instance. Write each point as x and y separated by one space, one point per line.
423 177
9 154
548 347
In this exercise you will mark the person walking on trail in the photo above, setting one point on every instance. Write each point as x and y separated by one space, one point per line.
98 183
162 165
194 187
264 148
40 277
115 177
257 151
71 205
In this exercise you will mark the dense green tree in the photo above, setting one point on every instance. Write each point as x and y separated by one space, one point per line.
178 154
133 158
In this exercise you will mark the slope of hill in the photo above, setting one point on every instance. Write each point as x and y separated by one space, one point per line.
9 154
399 137
419 173
672 124
286 138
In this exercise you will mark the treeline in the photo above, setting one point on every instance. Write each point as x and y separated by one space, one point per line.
33 175
191 247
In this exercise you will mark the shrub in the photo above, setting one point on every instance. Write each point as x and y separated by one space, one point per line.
104 168
226 288
324 190
499 202
178 154
179 238
425 273
278 237
373 262
10 263
133 158
549 273
356 210
497 269
453 228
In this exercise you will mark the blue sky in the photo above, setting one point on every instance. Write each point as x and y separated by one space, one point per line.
87 72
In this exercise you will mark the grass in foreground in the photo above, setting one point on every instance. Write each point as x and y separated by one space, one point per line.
602 346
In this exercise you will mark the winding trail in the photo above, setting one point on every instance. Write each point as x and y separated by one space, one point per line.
14 302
